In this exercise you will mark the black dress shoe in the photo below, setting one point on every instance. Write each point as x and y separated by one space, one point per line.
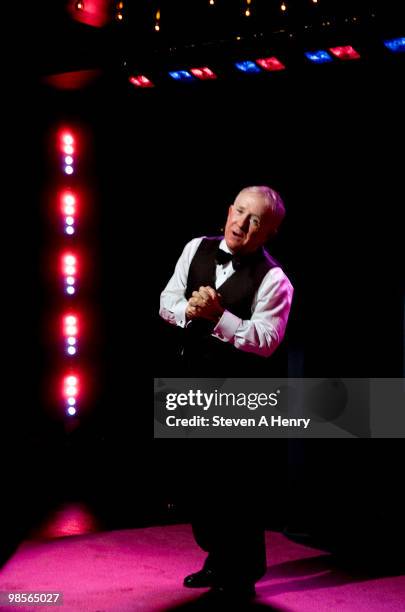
203 578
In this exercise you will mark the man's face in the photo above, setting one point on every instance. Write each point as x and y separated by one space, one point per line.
249 222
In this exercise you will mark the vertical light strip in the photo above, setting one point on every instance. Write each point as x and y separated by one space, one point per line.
67 212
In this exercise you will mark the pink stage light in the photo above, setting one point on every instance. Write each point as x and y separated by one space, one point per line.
70 332
270 63
67 138
345 53
68 206
69 271
204 73
69 260
95 13
140 81
68 199
70 390
70 387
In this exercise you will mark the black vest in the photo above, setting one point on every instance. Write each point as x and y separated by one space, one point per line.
205 355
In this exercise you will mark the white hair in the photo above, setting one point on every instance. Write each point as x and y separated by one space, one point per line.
274 200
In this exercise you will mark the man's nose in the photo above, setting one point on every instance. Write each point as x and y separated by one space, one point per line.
243 222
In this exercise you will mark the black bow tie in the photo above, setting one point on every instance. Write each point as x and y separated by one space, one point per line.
222 257
238 260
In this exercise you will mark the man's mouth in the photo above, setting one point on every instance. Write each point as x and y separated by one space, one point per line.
238 234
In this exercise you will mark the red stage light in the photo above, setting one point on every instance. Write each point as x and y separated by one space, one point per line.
67 138
203 73
69 271
94 13
141 81
70 384
69 199
68 203
69 260
270 63
345 53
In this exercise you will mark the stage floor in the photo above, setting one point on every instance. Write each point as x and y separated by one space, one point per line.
142 569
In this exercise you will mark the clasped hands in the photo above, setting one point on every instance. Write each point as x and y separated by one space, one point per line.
205 303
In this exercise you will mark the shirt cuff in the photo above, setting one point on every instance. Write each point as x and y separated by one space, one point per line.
179 312
226 327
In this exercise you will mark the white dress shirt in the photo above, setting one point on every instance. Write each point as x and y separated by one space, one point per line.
262 333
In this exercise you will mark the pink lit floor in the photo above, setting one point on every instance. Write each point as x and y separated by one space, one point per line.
142 569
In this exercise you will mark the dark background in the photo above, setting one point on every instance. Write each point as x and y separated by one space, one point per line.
160 167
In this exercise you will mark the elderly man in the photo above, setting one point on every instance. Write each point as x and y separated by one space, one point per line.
230 296
232 301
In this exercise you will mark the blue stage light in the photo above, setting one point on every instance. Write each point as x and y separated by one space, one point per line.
319 57
395 44
181 75
247 66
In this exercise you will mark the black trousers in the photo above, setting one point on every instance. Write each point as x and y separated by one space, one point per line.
228 523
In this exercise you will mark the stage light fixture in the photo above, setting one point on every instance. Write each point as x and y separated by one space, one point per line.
68 210
345 53
157 21
68 199
270 64
204 73
319 57
67 149
67 138
70 332
397 45
70 393
247 66
181 75
140 81
69 271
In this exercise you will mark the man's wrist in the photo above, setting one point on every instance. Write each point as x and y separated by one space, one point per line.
218 316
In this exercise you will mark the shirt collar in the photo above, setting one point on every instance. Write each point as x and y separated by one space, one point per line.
224 246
